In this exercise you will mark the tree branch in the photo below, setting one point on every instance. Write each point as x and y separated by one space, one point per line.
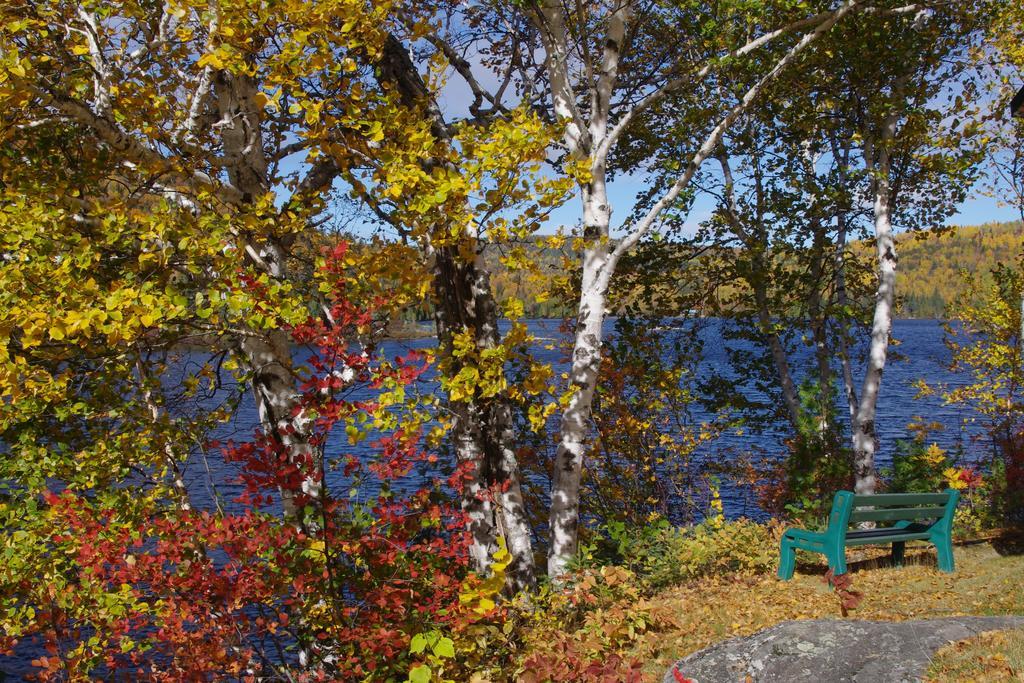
550 20
464 69
190 127
676 83
101 69
610 57
714 138
134 150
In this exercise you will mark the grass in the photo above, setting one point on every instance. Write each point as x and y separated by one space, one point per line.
691 617
992 656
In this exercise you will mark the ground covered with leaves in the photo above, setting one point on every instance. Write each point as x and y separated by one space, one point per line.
683 619
992 656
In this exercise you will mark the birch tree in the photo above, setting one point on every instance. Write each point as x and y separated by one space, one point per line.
190 113
245 122
473 352
609 67
919 160
788 206
882 130
778 195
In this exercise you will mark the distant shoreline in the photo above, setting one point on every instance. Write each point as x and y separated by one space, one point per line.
407 331
423 329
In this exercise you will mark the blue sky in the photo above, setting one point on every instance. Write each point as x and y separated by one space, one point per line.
982 210
455 98
977 209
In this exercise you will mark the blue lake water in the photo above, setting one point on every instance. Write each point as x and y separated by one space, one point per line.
922 352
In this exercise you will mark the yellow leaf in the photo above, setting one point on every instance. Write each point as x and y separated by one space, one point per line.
211 59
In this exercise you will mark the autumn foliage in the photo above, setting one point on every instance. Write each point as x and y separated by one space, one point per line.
157 591
212 210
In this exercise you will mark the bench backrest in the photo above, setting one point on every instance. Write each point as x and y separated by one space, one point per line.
890 507
899 507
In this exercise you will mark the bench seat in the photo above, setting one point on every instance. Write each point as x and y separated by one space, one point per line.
915 517
873 536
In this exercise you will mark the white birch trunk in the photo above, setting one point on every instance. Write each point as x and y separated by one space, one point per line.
864 434
268 354
273 388
496 427
586 360
482 431
511 509
598 262
476 502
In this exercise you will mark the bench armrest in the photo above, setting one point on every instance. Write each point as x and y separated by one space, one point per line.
804 534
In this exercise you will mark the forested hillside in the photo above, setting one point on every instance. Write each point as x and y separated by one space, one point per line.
930 268
931 264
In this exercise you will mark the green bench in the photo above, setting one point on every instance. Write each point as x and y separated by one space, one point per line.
916 517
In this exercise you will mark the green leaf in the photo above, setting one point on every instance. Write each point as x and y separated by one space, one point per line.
420 674
445 648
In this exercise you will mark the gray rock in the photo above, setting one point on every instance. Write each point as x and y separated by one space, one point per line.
832 650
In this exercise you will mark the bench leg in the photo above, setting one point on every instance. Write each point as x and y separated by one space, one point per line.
944 549
787 560
837 561
898 549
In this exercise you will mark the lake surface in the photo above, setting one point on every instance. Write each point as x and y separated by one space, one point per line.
922 352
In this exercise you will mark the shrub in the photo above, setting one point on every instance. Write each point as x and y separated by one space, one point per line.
579 633
1007 476
984 338
662 555
818 463
920 467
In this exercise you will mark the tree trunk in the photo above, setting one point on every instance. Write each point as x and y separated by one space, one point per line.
849 389
818 316
789 392
586 360
482 430
512 518
267 353
756 243
273 387
864 435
